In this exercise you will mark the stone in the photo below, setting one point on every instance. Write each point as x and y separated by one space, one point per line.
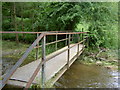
98 63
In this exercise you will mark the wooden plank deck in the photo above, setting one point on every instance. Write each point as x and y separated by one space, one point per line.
52 68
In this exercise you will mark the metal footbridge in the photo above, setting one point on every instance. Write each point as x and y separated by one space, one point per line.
45 71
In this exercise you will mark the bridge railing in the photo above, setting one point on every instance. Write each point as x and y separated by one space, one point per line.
41 36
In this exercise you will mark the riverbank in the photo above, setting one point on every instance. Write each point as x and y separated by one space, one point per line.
107 58
13 50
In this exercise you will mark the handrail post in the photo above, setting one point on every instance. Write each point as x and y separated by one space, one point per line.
66 40
82 34
56 41
43 59
72 37
78 44
68 51
37 49
88 39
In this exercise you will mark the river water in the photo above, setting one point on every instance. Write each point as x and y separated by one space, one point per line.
88 76
81 76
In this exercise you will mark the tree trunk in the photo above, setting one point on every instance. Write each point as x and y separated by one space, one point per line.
32 22
32 17
22 19
15 24
11 20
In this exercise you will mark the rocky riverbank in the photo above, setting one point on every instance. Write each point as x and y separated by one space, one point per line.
107 58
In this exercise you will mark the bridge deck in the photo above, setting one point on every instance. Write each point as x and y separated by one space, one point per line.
52 67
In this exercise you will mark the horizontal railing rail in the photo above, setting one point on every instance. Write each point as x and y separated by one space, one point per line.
53 42
65 33
50 32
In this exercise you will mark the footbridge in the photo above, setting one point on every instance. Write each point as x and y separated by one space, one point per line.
47 69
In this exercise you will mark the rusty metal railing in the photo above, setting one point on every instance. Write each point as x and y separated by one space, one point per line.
35 44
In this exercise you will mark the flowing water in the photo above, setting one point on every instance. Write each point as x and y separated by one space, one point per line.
80 76
88 76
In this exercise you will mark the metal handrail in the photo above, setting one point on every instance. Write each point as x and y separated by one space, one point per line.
49 32
65 33
24 56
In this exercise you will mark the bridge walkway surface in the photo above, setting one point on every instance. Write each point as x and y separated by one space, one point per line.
53 67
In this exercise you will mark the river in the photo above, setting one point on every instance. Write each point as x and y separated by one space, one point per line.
88 76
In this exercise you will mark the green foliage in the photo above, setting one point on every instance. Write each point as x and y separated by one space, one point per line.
28 38
101 22
100 19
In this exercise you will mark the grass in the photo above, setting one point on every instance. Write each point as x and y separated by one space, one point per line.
13 50
12 45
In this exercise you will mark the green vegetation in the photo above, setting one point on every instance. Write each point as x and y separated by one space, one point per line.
8 46
100 19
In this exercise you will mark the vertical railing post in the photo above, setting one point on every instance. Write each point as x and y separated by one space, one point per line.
68 51
37 48
82 34
66 40
88 39
72 37
43 59
78 44
56 42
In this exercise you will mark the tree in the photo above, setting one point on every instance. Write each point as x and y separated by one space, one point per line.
95 17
